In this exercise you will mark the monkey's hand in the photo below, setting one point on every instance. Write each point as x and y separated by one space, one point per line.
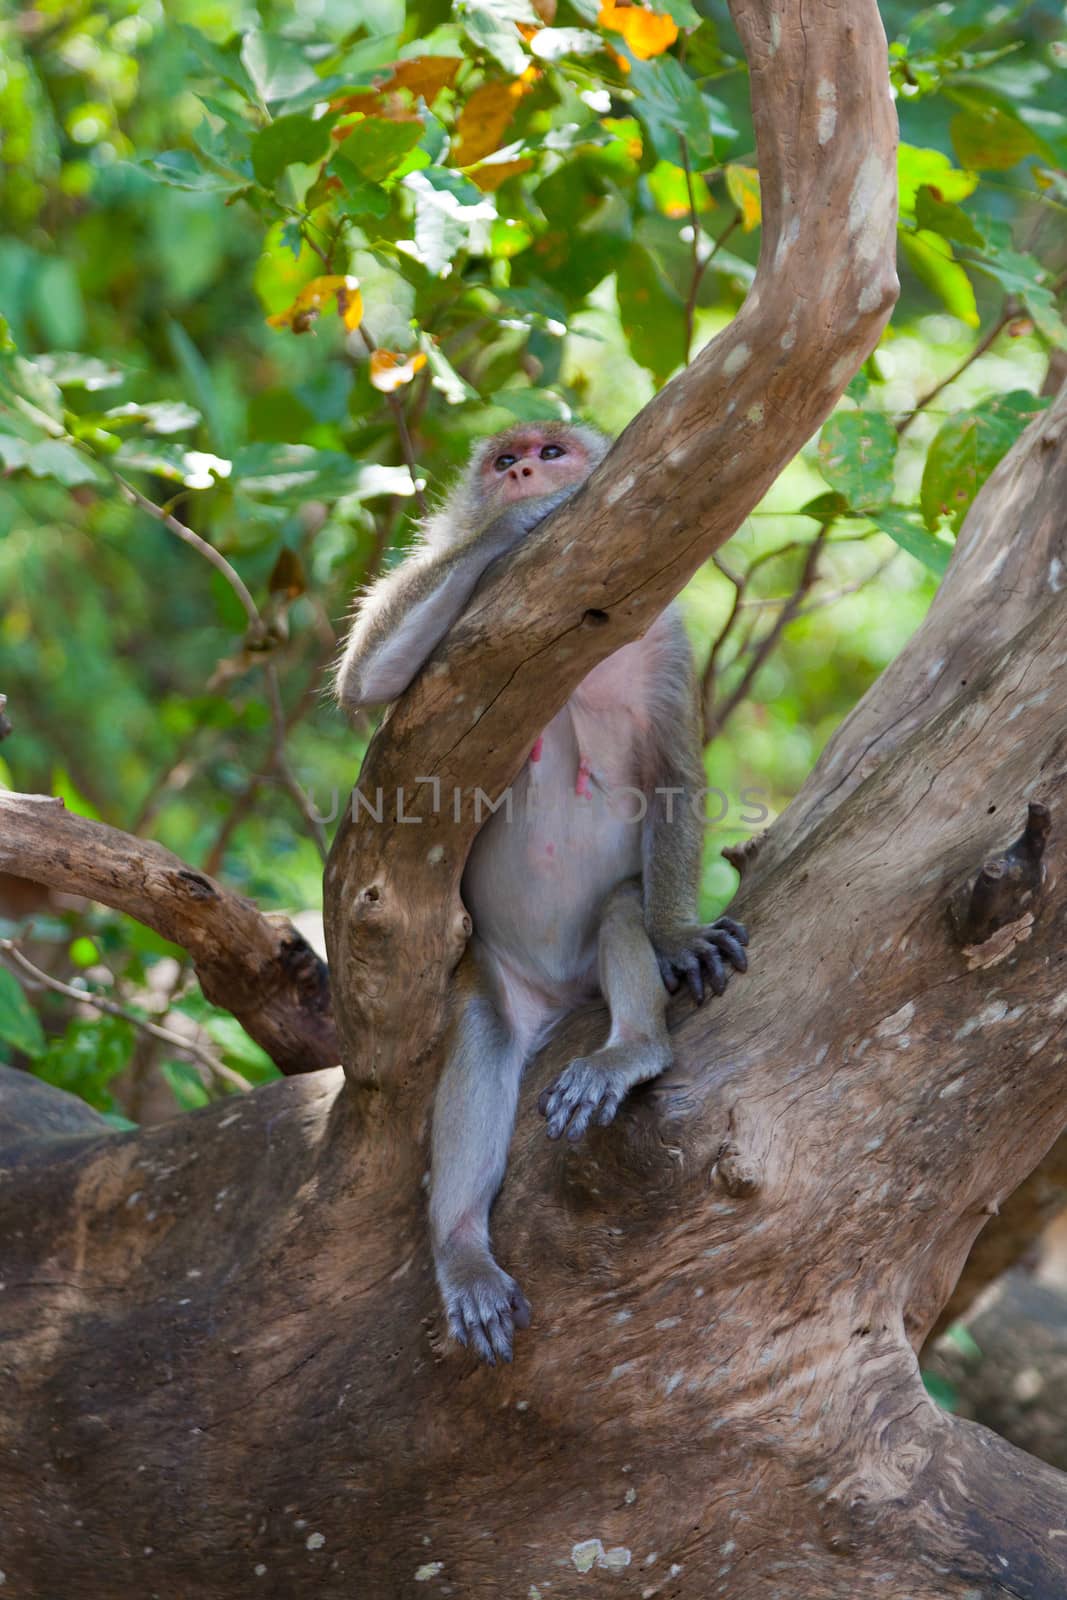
686 953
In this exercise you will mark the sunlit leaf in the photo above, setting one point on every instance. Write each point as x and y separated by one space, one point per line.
744 189
276 66
552 44
669 189
491 25
917 166
532 405
857 452
158 416
196 469
390 370
967 447
932 260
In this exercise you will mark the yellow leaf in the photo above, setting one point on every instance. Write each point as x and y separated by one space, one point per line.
481 124
648 33
301 315
743 185
389 371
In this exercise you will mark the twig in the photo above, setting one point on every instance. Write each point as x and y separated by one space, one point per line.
707 680
218 1069
699 267
401 426
715 718
281 760
257 627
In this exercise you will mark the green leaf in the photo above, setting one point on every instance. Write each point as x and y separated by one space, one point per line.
940 1390
916 167
158 416
991 140
672 110
944 29
950 221
857 452
360 198
185 1084
276 66
53 458
288 140
444 225
73 371
934 554
932 260
181 170
681 11
967 447
221 61
532 405
1023 276
196 469
651 313
294 473
19 1025
377 146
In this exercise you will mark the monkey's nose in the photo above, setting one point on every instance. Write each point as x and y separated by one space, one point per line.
527 472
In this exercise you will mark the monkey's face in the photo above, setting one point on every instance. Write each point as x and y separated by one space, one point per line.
525 463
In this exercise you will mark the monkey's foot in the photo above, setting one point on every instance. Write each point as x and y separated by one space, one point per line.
484 1307
685 954
593 1087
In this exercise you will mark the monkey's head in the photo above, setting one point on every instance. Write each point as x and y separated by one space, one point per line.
533 459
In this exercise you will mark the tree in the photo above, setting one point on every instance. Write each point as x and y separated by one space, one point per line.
221 1358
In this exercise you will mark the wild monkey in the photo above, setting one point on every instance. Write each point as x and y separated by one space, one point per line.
590 885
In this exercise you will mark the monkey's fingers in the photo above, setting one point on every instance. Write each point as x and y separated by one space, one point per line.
687 962
712 960
667 973
520 1307
729 944
737 929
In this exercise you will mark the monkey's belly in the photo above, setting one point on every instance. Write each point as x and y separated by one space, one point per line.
541 869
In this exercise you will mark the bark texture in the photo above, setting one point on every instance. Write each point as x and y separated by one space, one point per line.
222 1370
258 967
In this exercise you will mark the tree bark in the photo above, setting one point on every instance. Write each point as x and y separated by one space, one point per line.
223 1370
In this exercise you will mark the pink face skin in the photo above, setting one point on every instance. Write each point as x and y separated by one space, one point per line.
531 464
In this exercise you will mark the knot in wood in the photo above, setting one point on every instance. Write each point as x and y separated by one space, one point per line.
1007 886
739 1175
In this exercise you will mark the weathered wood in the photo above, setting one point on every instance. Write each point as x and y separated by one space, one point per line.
259 967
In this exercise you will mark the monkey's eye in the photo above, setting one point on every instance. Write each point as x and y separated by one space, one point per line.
552 452
502 463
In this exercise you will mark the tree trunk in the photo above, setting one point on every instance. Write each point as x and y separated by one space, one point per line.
223 1371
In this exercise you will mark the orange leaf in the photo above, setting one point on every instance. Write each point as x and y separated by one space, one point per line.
426 75
481 124
648 33
389 371
491 174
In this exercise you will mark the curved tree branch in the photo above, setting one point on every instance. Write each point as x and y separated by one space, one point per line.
677 484
257 967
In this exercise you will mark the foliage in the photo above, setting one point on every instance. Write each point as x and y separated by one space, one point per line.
275 268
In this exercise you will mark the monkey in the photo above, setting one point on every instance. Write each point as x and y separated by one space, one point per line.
588 887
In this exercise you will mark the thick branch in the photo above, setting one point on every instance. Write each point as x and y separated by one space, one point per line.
674 488
257 967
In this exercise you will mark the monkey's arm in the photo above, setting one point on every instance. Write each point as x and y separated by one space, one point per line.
673 838
406 615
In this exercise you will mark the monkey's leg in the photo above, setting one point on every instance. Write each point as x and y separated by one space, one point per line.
592 1088
474 1114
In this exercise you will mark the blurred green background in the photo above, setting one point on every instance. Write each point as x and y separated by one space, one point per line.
525 211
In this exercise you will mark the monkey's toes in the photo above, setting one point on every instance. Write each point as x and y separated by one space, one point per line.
580 1093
